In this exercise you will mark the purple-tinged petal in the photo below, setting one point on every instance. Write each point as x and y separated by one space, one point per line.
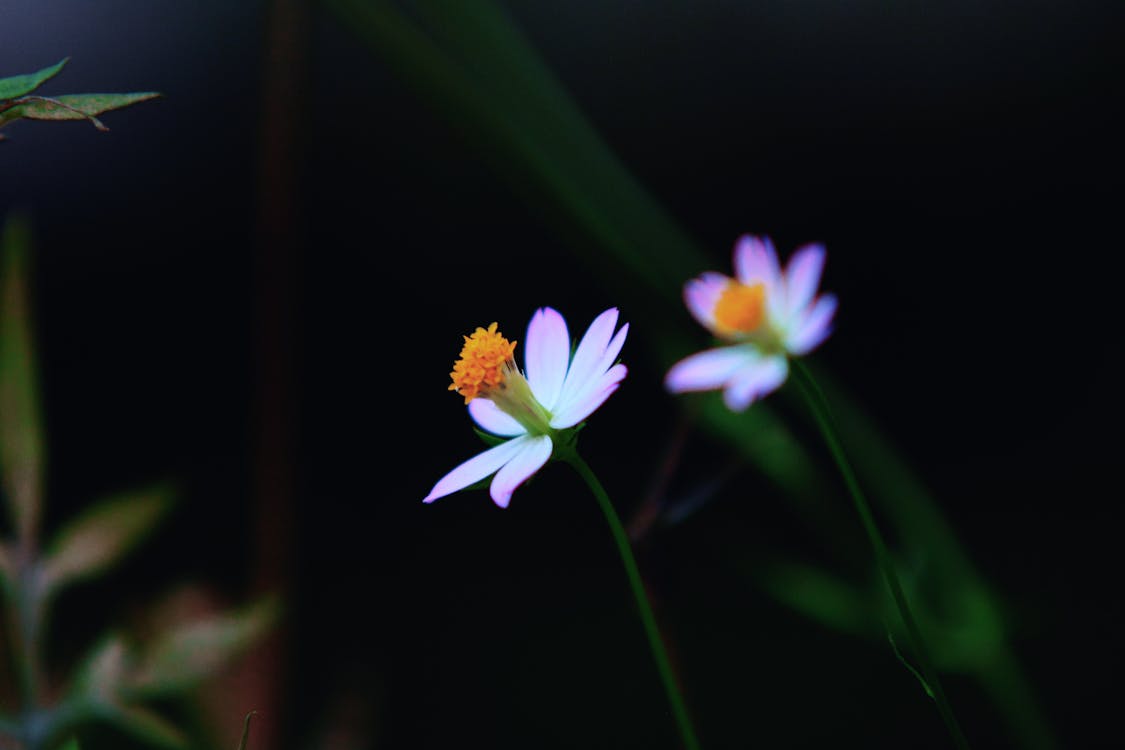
755 260
491 419
813 328
533 453
587 356
612 350
708 370
546 355
802 276
755 381
476 468
589 399
702 294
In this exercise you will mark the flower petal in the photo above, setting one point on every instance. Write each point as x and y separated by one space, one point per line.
702 294
533 453
813 328
802 276
546 355
612 350
755 259
708 369
593 395
476 468
589 353
755 381
491 419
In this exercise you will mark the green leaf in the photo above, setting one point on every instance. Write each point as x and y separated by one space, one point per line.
103 535
101 673
71 743
183 657
148 726
74 106
21 425
17 86
821 596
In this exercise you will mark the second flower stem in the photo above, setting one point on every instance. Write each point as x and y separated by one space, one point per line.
819 406
655 641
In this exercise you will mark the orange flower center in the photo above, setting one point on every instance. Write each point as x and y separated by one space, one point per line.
483 361
741 308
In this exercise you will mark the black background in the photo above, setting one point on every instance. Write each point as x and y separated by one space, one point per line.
960 160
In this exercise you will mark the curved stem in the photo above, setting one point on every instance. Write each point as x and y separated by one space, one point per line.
818 403
663 665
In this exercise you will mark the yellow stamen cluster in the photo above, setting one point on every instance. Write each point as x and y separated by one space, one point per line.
741 308
482 363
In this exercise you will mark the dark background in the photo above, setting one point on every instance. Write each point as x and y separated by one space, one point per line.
961 161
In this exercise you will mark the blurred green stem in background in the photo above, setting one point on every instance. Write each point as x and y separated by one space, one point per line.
570 456
477 71
818 404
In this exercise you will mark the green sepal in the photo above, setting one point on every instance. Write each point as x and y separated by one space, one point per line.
489 439
16 86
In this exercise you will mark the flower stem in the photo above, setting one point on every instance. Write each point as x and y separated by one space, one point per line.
818 403
663 665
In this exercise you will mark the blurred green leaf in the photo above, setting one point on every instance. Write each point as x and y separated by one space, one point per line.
821 596
148 726
183 657
73 106
21 426
103 535
16 86
70 744
100 675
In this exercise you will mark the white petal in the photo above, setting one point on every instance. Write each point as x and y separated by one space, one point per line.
546 355
532 455
593 395
755 381
802 276
574 406
813 328
610 356
702 294
491 419
708 369
755 260
476 468
589 353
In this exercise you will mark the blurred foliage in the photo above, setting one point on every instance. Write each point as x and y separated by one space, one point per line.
18 102
119 674
474 68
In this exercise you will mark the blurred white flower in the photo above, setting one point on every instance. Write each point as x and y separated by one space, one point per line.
765 314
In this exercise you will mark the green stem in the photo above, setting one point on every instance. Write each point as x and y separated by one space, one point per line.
818 403
663 665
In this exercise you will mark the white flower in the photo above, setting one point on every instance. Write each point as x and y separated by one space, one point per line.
531 408
765 314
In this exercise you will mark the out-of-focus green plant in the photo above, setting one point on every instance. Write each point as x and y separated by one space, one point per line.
471 64
17 100
118 675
